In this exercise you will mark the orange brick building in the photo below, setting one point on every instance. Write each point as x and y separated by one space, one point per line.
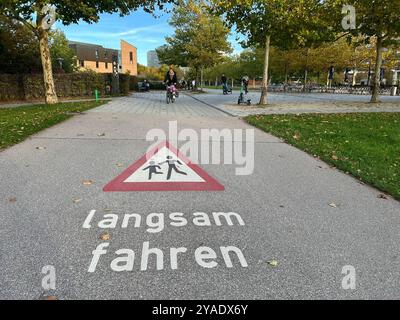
99 59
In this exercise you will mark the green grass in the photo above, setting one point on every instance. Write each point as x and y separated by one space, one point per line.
366 145
18 123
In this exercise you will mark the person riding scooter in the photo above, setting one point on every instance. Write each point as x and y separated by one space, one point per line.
244 91
225 87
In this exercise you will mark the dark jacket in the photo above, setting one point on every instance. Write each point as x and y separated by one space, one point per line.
168 79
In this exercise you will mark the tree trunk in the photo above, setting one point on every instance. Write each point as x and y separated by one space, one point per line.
305 79
355 72
201 79
286 74
264 88
377 75
197 79
50 91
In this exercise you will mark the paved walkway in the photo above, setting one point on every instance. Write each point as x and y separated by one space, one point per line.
52 182
154 103
283 103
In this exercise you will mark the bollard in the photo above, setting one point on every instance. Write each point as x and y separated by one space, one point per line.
96 94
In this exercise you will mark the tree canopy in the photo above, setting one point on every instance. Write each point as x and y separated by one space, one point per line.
376 21
281 23
36 14
200 39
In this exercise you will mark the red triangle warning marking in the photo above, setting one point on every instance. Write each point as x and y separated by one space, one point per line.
163 168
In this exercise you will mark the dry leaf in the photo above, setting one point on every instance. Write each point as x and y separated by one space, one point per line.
40 148
87 182
333 205
335 157
105 236
13 199
382 196
101 134
107 210
296 136
119 165
273 263
76 200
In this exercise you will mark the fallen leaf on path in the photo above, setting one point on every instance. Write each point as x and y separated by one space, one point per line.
273 263
105 236
87 182
335 157
101 134
13 199
119 165
333 205
382 196
107 210
40 148
76 200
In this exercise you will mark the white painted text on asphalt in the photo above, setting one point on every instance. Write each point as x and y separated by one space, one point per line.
154 258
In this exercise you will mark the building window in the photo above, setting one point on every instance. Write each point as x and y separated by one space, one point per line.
82 63
97 54
106 65
97 64
131 57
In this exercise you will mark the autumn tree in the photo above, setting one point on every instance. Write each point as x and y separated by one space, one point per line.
200 39
19 49
281 23
36 15
376 21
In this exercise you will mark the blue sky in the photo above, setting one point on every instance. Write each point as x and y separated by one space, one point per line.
139 28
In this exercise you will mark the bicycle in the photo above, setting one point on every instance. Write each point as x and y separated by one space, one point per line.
171 94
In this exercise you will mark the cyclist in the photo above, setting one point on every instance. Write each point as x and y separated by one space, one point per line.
171 79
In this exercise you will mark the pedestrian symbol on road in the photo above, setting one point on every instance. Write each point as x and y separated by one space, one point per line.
171 166
164 169
152 169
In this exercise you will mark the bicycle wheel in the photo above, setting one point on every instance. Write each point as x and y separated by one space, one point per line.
168 98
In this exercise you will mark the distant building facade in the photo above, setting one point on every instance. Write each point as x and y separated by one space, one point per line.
99 59
152 59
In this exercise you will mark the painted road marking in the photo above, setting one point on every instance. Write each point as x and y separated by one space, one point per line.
164 168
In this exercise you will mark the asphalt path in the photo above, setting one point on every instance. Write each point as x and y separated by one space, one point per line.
286 231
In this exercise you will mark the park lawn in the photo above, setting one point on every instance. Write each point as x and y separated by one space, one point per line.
18 123
366 145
